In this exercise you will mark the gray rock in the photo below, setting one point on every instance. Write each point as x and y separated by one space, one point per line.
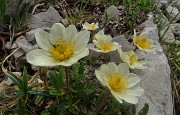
45 19
175 28
161 3
156 78
176 3
23 44
30 36
126 46
166 32
18 53
122 40
169 36
113 12
173 12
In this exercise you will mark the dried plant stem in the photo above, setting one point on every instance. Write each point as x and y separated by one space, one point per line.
103 102
67 81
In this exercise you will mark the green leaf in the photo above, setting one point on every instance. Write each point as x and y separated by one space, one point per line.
2 8
19 94
15 79
24 19
25 80
36 92
56 92
56 79
144 110
21 111
100 98
38 99
45 113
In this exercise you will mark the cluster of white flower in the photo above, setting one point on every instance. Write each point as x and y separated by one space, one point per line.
65 46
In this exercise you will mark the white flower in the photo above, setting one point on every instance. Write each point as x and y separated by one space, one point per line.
121 83
131 58
62 46
96 36
91 26
143 43
103 43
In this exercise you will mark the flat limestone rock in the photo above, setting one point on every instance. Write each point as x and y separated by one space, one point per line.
45 19
155 79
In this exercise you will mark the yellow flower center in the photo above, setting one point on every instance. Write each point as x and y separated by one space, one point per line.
61 50
91 26
142 42
106 46
133 57
117 82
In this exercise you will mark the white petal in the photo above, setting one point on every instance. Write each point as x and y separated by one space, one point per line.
71 31
152 49
85 25
98 50
128 98
112 67
104 69
96 43
57 32
139 65
132 79
101 32
80 41
115 46
123 69
124 57
92 47
116 96
134 36
42 39
40 57
100 76
135 91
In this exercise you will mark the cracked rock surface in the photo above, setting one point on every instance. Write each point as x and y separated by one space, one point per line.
156 78
45 19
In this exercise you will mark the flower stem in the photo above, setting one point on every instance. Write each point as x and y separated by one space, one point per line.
67 81
43 72
103 102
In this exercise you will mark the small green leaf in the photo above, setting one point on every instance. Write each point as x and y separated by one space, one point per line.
25 80
2 8
45 113
38 99
21 111
15 79
144 110
56 92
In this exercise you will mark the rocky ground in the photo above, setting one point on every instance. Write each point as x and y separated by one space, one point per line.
156 80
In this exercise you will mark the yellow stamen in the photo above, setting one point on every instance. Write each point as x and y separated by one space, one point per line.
61 50
117 82
142 42
133 57
92 26
106 46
